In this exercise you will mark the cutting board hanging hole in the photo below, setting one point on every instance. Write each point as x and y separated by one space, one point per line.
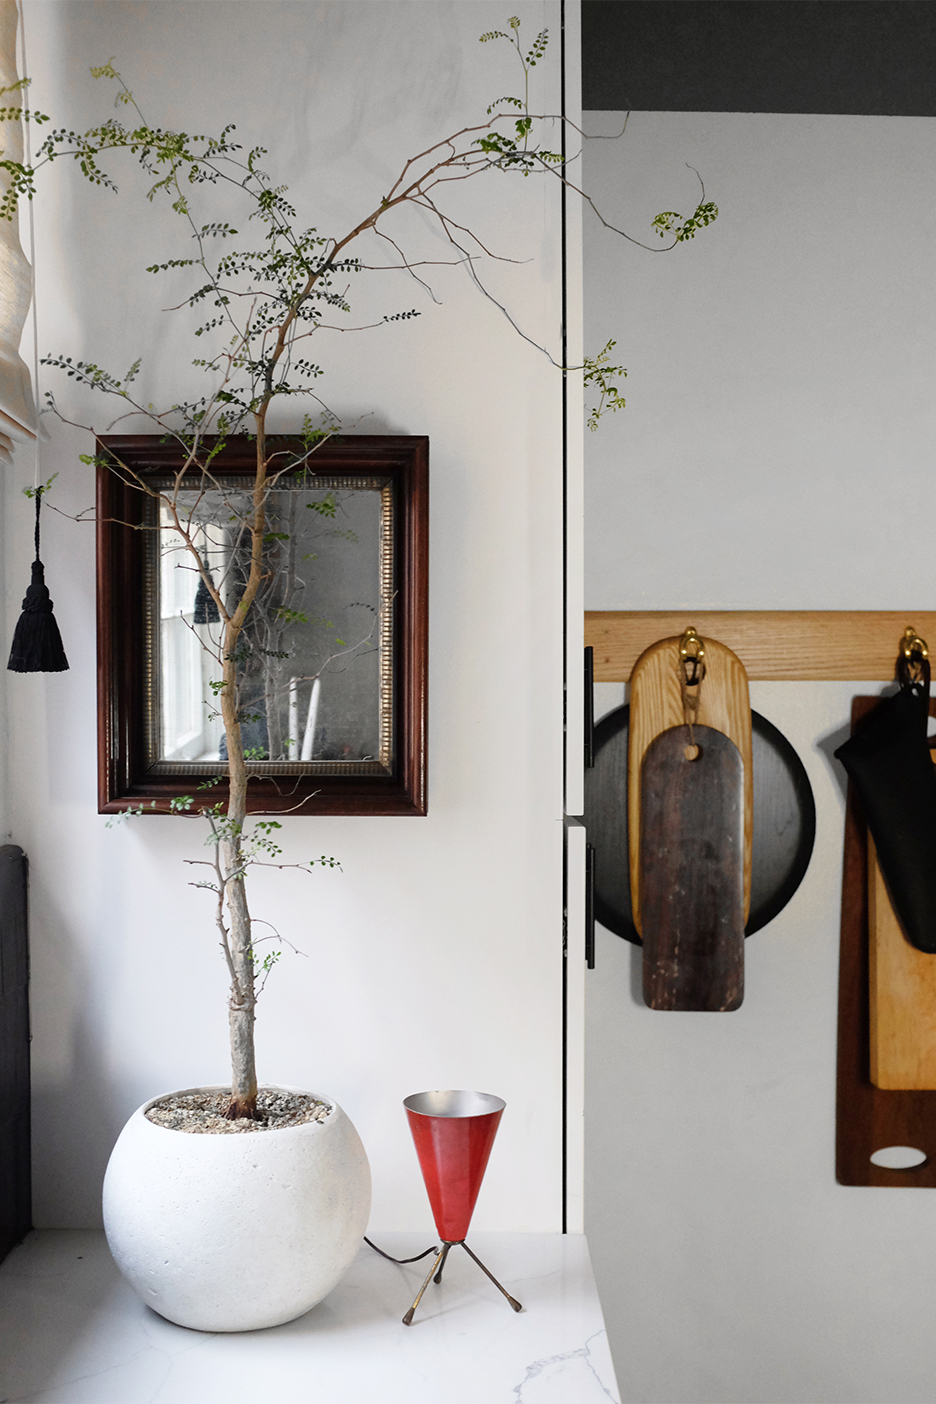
899 1158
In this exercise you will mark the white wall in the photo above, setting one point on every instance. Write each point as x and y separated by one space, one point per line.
776 452
434 959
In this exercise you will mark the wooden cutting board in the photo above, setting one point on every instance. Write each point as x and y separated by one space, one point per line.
868 1117
902 996
656 706
692 871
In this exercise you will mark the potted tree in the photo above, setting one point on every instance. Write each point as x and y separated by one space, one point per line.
255 309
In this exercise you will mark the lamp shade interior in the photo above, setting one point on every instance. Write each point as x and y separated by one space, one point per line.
454 1103
453 1133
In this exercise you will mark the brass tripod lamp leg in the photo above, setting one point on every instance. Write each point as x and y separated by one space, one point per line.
512 1300
445 1252
408 1318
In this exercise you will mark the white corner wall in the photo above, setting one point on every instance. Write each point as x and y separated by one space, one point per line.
434 958
777 451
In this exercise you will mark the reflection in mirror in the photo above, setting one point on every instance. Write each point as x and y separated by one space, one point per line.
314 663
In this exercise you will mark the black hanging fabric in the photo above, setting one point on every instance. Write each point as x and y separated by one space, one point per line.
888 761
206 611
37 643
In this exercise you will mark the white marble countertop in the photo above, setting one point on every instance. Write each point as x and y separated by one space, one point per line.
73 1332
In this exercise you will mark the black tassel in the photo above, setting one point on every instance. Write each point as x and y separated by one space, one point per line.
206 611
37 643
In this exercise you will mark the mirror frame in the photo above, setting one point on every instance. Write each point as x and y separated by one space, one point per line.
123 780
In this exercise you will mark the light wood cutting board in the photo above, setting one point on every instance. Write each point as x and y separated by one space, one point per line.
902 997
656 705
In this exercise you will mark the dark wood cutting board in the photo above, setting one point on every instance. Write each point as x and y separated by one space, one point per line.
656 704
869 1118
692 862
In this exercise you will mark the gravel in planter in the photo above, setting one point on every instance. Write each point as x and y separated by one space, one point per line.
203 1112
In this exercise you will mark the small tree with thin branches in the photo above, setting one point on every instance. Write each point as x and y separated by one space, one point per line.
258 309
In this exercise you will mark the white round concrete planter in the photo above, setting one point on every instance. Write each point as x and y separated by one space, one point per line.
236 1232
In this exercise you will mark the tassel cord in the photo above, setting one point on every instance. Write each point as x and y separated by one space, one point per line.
37 643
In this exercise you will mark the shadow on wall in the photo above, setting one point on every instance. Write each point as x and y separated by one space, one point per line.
75 1110
78 1107
295 79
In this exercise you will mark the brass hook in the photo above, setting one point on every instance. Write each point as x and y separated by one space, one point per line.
692 657
913 660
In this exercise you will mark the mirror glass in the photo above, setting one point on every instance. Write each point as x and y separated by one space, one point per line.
314 666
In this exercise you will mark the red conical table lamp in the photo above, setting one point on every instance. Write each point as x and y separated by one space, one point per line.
453 1133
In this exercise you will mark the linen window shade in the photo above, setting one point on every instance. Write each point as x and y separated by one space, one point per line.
18 419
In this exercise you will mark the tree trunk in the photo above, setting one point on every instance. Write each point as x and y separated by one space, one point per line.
243 999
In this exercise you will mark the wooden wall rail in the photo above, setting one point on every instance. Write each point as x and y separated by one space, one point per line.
774 645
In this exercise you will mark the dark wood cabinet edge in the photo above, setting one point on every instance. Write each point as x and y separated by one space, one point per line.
15 1113
121 781
399 803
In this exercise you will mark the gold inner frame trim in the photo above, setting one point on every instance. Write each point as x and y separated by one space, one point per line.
383 764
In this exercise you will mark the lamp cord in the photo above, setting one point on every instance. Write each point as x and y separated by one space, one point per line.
38 506
433 1249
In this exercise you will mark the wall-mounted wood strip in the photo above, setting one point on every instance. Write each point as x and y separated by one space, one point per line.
868 1118
773 645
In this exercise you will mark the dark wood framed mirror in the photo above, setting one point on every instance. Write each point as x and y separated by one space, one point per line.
335 662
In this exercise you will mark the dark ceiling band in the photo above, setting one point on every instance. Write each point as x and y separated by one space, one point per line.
861 57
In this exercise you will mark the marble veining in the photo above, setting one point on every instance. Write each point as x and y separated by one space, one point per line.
576 1375
73 1332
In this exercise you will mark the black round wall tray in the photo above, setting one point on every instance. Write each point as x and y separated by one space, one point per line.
784 823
